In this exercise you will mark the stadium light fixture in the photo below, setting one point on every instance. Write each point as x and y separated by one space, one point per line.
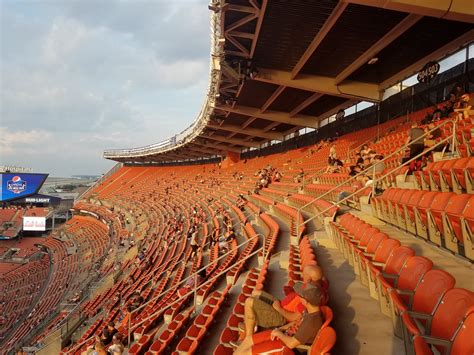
373 61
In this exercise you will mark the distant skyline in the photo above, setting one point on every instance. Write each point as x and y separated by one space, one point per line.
81 76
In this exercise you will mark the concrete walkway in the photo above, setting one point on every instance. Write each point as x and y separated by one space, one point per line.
360 326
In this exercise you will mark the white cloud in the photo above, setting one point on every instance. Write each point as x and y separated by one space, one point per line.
17 141
100 74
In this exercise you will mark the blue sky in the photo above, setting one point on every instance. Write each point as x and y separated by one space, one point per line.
80 76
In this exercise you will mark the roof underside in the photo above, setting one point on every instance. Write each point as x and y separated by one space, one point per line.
291 64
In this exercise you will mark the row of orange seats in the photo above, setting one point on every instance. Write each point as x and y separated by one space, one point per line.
422 302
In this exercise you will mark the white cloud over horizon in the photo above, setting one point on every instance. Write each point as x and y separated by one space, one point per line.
78 77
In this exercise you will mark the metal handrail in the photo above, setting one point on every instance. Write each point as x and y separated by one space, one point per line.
195 288
100 180
77 346
382 177
371 168
204 115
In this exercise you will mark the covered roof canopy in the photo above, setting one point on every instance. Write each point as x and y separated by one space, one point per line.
286 65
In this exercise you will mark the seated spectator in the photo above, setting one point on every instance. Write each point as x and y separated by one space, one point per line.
276 176
224 241
137 300
191 282
355 186
463 107
332 154
300 331
125 319
299 177
194 242
458 91
98 348
379 166
448 109
117 347
264 310
111 332
241 202
354 170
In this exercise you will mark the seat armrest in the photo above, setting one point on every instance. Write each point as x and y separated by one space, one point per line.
439 342
409 323
398 302
303 347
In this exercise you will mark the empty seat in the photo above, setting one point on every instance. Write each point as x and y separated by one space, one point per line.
453 215
409 207
445 320
425 297
378 258
436 210
395 262
462 344
421 216
410 275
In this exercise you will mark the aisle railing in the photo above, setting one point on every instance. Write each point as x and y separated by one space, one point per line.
371 170
182 282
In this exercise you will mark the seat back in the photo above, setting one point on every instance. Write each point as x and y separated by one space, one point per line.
324 342
454 211
468 213
384 249
397 259
450 312
412 272
425 203
358 228
389 193
367 236
464 341
438 206
459 168
430 290
375 241
415 198
426 199
406 196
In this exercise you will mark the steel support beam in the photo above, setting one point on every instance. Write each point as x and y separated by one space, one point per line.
370 53
457 10
248 131
305 104
330 22
321 84
452 46
217 146
274 116
233 141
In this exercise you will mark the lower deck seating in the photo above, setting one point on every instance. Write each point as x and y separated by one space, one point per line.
417 297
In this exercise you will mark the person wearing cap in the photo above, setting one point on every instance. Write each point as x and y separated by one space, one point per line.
265 311
303 331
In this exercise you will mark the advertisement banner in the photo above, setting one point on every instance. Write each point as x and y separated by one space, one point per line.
14 186
34 224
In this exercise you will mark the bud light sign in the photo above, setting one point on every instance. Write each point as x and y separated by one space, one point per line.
18 185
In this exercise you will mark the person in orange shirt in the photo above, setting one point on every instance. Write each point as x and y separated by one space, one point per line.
264 310
280 341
